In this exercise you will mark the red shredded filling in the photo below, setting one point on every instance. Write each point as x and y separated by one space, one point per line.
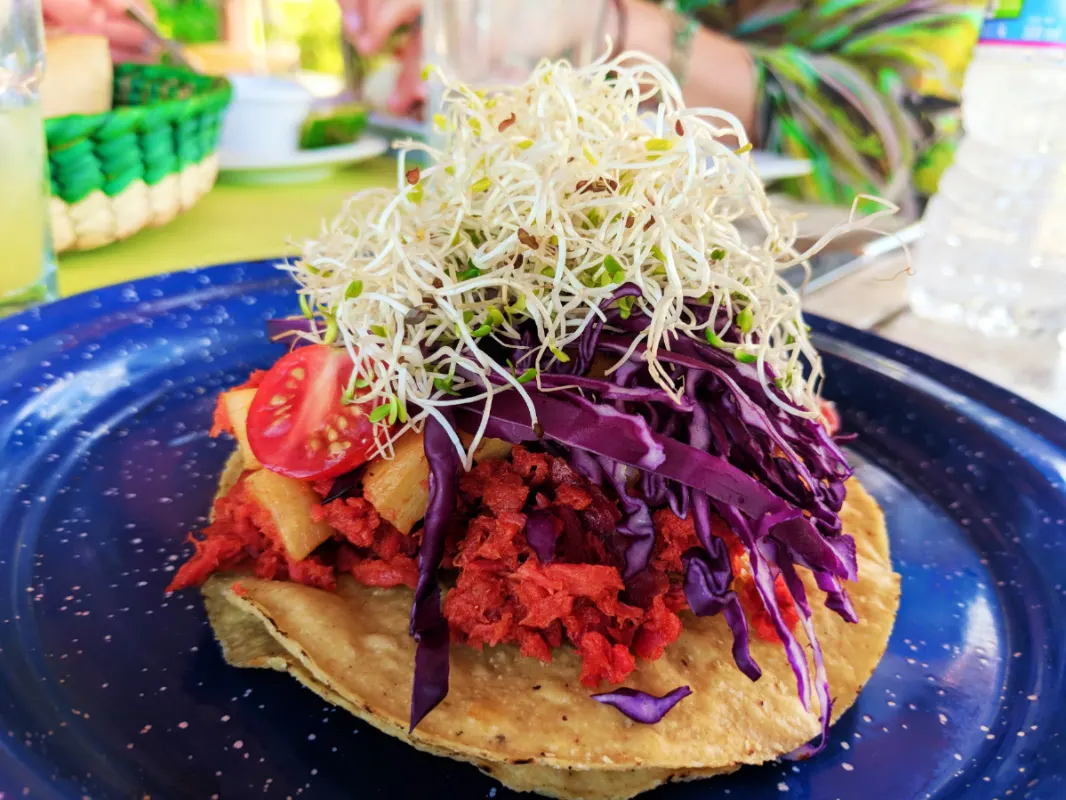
242 535
503 593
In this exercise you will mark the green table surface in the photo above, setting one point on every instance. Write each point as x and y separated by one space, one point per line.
231 223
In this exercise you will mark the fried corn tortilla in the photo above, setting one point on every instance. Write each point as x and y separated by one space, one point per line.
532 725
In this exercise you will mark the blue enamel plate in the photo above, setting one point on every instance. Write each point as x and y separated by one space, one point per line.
111 689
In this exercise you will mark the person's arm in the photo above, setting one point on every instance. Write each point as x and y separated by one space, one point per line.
129 41
720 72
837 91
843 95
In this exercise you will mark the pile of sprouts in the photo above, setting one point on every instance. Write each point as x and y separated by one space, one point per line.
541 201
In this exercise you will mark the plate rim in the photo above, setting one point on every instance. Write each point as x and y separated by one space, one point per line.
367 146
69 316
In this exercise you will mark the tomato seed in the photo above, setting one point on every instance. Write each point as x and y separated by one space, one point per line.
342 423
331 435
298 373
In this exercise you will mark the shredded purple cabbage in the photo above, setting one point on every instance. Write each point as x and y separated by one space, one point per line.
637 525
722 448
428 625
611 391
707 594
641 706
821 680
777 481
709 575
627 438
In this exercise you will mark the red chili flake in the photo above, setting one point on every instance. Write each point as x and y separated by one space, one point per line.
528 239
680 131
413 175
507 123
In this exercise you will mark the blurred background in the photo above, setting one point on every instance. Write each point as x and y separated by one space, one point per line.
221 34
186 133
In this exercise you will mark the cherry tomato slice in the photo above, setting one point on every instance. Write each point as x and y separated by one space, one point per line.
297 424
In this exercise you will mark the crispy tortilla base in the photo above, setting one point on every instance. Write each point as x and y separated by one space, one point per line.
531 725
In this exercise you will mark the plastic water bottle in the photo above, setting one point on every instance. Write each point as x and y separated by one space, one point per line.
993 249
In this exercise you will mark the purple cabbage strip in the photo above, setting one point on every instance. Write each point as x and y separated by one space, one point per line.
587 464
654 488
635 538
821 453
813 550
430 684
677 497
611 391
707 593
342 486
709 578
541 534
428 625
821 680
764 583
654 454
637 525
641 706
586 345
836 596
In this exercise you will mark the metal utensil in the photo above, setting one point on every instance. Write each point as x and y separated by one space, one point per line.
870 253
173 48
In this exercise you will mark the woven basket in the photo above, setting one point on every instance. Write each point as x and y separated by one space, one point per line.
139 165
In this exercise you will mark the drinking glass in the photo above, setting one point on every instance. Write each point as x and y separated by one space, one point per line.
27 265
498 42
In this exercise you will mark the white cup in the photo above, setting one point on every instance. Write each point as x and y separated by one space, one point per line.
265 117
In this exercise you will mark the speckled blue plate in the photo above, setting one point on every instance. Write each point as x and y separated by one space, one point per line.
109 689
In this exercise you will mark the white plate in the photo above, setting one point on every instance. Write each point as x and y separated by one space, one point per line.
298 165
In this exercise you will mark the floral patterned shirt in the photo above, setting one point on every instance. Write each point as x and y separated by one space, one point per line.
867 90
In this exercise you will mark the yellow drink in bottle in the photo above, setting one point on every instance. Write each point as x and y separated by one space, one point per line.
25 261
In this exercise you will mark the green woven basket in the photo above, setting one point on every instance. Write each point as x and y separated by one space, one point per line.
139 165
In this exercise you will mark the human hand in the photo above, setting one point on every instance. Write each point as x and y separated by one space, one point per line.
370 25
129 41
